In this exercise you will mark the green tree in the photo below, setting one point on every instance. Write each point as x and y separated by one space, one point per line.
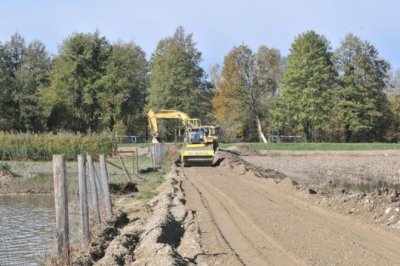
23 70
176 79
362 105
307 87
123 93
30 76
7 105
71 100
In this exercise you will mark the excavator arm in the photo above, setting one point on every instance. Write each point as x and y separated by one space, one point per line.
170 114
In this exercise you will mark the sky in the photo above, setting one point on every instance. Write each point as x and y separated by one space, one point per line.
217 25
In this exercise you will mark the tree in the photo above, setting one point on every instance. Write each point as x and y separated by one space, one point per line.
248 81
393 131
123 93
71 100
362 103
30 76
23 70
394 83
307 86
7 105
176 79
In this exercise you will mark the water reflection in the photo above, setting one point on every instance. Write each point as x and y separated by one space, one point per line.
26 228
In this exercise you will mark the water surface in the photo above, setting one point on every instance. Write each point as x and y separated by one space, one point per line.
26 228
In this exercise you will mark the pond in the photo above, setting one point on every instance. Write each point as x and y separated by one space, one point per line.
27 225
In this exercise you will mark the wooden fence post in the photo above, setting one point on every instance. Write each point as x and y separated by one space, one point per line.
152 156
137 160
61 204
94 187
83 200
126 170
105 186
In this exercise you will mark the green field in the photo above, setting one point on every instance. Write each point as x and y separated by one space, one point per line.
319 146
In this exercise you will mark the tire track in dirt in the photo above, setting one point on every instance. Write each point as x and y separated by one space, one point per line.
295 232
251 244
205 204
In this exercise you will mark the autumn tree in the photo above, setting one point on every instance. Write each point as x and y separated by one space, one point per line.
307 87
362 104
248 81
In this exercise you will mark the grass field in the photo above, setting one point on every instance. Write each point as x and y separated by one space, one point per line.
319 146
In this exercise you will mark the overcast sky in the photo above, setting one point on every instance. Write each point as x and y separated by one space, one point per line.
217 25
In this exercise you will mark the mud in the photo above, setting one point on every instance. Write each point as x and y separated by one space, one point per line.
124 188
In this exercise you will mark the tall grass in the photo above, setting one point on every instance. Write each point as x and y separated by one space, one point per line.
41 147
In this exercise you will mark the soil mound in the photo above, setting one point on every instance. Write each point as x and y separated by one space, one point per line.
231 159
243 150
125 188
167 237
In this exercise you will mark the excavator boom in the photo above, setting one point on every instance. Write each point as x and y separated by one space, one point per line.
171 114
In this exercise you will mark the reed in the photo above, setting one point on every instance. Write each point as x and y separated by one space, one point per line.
41 147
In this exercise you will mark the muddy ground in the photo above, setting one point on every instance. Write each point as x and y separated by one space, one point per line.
242 213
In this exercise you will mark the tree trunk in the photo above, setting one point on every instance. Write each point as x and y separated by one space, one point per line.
259 130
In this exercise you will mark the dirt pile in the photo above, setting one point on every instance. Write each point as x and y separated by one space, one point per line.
167 237
230 158
382 206
243 150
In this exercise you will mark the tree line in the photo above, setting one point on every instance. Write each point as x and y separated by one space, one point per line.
317 93
93 85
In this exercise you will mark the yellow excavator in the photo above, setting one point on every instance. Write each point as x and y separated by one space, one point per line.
200 141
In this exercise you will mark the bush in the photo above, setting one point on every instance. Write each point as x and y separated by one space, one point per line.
41 147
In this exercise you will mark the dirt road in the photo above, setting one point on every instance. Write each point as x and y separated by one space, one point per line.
244 220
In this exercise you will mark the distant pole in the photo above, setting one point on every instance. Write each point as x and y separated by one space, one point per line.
94 188
105 186
61 204
83 200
